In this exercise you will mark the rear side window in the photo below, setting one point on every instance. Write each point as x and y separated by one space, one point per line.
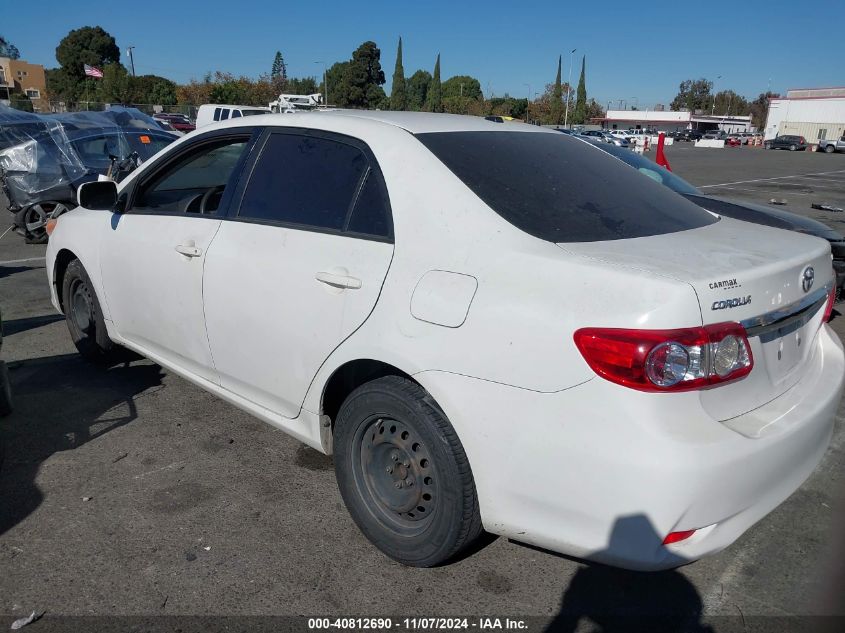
561 189
315 183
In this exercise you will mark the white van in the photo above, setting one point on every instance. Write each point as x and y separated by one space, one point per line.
211 112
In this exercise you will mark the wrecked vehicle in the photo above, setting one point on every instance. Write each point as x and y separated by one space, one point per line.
44 158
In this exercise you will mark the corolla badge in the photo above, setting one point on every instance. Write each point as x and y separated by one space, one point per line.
807 278
726 304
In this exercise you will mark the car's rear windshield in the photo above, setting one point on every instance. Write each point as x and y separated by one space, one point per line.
561 189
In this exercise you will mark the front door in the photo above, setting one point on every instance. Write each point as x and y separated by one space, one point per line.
298 268
152 260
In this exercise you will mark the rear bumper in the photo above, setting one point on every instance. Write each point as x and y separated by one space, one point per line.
605 473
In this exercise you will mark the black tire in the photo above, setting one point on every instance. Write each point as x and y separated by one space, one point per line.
792 148
5 391
767 146
829 149
403 473
85 318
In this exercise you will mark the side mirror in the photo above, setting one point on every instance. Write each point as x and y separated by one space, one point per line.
99 195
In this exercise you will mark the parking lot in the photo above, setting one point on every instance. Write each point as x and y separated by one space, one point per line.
131 492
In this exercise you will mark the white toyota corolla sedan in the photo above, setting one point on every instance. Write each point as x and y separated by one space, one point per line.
490 327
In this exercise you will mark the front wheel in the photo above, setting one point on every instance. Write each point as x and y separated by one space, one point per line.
84 316
792 148
403 473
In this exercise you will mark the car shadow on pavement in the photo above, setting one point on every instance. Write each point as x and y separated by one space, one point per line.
60 403
15 326
8 271
612 599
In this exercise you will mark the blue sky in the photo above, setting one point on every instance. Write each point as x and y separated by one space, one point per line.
638 52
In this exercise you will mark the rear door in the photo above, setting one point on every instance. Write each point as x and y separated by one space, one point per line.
298 267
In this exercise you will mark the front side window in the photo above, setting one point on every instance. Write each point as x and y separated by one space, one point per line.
560 189
316 182
195 182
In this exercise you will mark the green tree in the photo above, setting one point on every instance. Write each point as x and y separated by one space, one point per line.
593 111
729 102
360 83
580 115
89 45
279 72
693 94
304 86
759 109
61 86
462 86
154 90
7 49
557 98
418 90
116 86
398 95
435 90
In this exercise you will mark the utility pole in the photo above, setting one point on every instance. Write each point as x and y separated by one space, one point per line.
713 107
131 59
325 83
568 89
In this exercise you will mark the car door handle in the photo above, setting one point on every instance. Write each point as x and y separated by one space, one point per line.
188 250
338 281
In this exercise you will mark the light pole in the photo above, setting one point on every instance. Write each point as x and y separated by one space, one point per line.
325 83
713 107
131 59
568 89
528 104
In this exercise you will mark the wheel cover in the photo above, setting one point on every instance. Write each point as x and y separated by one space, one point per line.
395 474
81 306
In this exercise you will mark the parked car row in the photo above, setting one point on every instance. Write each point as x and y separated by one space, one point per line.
555 347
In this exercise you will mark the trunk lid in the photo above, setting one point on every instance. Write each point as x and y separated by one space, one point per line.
744 273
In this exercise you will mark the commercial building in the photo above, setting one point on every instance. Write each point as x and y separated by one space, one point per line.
672 120
22 77
814 113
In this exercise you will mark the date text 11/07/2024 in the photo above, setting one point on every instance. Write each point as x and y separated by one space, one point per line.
418 624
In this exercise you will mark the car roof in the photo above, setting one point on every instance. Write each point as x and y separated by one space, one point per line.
413 122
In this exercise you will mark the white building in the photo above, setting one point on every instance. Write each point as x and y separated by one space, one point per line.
672 120
814 113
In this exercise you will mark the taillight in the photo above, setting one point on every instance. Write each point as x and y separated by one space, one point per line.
667 360
802 140
828 309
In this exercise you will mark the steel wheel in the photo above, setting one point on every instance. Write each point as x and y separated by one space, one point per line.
395 472
81 306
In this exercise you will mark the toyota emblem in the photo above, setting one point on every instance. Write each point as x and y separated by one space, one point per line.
807 278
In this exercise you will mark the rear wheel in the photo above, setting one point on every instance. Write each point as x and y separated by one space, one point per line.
403 473
767 146
829 149
85 318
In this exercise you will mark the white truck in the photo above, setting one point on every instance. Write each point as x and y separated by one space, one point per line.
832 145
292 103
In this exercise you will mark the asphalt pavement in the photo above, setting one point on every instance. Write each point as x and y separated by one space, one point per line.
131 492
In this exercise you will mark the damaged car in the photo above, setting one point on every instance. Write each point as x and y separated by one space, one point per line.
45 158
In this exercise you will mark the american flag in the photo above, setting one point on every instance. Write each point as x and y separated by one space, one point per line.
93 71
